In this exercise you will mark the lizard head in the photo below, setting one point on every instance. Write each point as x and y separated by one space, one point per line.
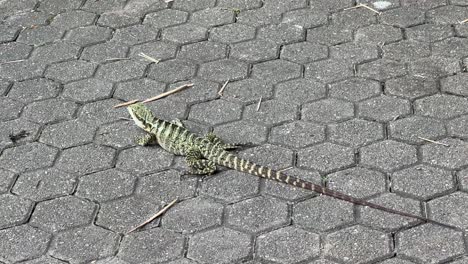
141 115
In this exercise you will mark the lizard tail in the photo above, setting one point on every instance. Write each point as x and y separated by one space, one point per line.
264 172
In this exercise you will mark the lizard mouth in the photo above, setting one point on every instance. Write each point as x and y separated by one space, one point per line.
138 121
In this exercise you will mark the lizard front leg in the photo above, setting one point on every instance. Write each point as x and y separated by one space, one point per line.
146 140
216 140
198 164
177 122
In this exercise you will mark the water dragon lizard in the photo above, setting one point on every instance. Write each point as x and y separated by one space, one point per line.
203 154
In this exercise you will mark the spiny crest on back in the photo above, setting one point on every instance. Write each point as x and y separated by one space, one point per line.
140 114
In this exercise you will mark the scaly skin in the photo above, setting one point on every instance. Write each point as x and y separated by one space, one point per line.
204 153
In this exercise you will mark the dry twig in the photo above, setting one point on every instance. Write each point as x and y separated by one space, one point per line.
365 6
126 103
141 54
185 86
220 92
259 103
162 211
463 21
435 142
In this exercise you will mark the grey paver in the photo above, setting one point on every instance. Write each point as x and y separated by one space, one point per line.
73 19
453 84
275 71
6 180
240 186
160 50
59 134
89 35
211 17
355 89
357 181
328 110
333 5
430 243
356 132
86 158
450 47
68 211
186 33
441 106
413 128
304 52
388 155
353 18
19 126
10 108
305 18
383 108
458 127
220 245
117 19
422 181
21 70
43 260
193 215
429 32
325 157
406 50
223 70
357 244
247 90
381 69
106 185
44 184
70 70
297 134
22 242
278 246
34 90
100 112
14 51
50 110
117 135
240 4
232 33
450 209
84 244
450 14
281 158
314 214
138 89
327 71
15 210
102 52
27 157
454 156
403 16
259 17
165 18
299 91
203 51
257 214
40 35
88 90
129 159
410 87
135 34
242 132
216 112
166 245
282 33
434 67
353 52
255 50
121 70
329 35
190 5
378 34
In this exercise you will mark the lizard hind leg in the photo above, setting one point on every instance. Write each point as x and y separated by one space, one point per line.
147 139
198 165
213 138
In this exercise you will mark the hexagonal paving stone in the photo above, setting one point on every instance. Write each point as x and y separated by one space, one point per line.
72 19
165 18
68 212
257 214
406 50
27 157
429 32
21 70
328 110
209 91
117 19
100 112
22 242
135 34
378 33
104 52
388 155
381 69
168 185
458 126
430 243
232 33
44 259
463 178
356 132
269 155
357 181
453 84
34 90
39 35
354 52
248 90
106 185
17 130
203 51
450 47
282 33
122 215
387 221
288 245
403 17
305 18
329 35
354 89
411 87
153 245
215 112
70 70
450 14
242 132
325 157
15 210
84 244
193 215
384 108
172 71
223 70
275 71
297 134
299 91
44 184
121 70
89 35
186 33
139 89
10 108
289 192
6 180
353 18
211 17
357 244
259 17
434 67
160 50
413 128
271 112
256 50
86 159
329 70
88 90
322 213
220 245
68 134
50 110
304 52
453 157
451 209
143 159
240 185
422 181
240 4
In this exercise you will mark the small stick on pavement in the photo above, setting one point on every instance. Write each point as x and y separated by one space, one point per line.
463 22
185 86
259 103
141 54
126 103
435 142
365 6
162 211
220 92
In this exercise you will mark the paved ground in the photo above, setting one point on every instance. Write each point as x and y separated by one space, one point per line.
347 96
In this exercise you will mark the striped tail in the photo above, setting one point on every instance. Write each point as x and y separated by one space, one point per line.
239 164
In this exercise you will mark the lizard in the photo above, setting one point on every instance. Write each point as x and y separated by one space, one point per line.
204 153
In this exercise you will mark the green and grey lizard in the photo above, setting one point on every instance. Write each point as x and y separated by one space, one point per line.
203 154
